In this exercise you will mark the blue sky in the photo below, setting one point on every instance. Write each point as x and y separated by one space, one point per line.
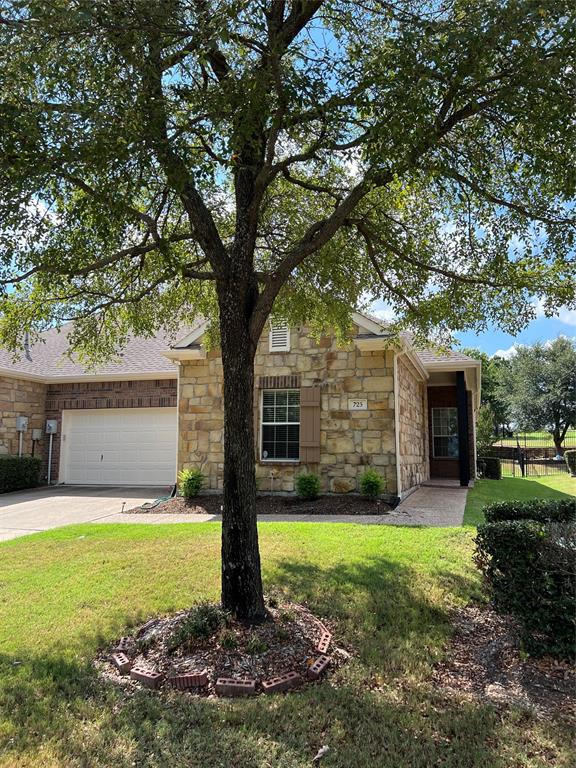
495 341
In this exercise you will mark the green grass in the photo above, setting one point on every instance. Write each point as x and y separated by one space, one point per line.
537 440
487 491
387 591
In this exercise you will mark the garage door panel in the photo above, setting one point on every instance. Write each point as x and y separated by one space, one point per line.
120 446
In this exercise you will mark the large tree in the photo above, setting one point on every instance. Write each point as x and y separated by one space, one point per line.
541 388
494 371
235 158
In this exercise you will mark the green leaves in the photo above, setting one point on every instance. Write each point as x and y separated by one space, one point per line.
141 142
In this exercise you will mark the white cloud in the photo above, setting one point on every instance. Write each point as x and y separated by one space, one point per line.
506 353
567 316
386 313
563 314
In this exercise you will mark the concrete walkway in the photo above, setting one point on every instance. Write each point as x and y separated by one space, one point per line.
434 505
41 509
45 508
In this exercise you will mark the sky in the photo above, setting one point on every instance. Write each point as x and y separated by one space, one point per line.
495 341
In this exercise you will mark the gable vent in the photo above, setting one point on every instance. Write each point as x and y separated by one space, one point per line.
279 337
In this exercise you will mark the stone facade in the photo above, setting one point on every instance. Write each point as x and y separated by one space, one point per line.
20 397
413 425
350 440
146 393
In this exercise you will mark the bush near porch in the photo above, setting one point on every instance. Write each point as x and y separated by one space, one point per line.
528 562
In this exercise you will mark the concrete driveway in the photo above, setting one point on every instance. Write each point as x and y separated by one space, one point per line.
43 508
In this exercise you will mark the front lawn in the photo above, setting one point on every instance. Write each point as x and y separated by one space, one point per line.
487 491
387 592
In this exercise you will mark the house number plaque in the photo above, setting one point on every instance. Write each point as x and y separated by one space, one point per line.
357 405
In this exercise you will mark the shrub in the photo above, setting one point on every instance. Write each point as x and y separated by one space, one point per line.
529 570
308 486
190 482
255 646
372 484
202 621
490 467
542 510
570 459
19 472
228 640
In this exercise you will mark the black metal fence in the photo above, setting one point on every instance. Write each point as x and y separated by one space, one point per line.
532 454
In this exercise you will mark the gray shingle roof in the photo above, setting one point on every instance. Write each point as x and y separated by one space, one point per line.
48 359
429 357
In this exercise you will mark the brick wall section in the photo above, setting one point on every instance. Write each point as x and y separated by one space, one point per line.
19 397
413 420
154 393
349 440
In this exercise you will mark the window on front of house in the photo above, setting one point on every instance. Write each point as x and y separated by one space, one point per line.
445 433
280 425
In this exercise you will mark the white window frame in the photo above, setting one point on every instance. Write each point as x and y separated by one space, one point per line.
278 423
435 434
275 327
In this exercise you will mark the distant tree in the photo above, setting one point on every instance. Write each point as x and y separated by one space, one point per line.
484 430
540 388
493 373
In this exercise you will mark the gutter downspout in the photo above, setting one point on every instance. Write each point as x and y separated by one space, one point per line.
397 427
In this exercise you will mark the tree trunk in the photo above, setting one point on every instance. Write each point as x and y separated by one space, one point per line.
242 592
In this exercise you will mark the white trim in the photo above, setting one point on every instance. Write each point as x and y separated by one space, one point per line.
185 354
261 428
81 377
369 325
193 336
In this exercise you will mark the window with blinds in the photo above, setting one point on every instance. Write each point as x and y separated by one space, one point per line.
280 424
279 339
445 433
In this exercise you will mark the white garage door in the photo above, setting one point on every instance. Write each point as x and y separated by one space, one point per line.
119 446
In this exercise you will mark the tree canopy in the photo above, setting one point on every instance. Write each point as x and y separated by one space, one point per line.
418 152
541 388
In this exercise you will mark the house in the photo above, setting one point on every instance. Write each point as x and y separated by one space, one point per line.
319 407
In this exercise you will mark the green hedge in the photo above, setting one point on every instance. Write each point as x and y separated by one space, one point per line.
542 510
529 571
19 472
490 467
570 459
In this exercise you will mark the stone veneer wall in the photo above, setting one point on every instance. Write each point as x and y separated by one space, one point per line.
349 440
19 397
413 420
149 393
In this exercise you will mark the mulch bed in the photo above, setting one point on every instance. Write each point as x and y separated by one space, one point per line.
287 642
485 661
211 504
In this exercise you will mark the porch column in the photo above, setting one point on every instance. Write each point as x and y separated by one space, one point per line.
463 439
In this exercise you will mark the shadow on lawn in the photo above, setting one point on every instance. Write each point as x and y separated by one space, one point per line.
386 610
376 711
59 714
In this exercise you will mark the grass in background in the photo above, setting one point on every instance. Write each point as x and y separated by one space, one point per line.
487 491
387 591
537 440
